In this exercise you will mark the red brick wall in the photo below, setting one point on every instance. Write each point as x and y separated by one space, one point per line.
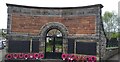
33 24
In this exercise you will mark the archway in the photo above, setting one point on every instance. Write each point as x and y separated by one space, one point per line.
54 44
54 35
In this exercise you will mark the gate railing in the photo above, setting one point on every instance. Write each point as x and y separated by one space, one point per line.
112 43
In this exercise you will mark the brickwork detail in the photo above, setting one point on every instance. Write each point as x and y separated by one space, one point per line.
33 24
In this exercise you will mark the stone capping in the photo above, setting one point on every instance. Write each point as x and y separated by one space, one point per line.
54 11
85 36
100 5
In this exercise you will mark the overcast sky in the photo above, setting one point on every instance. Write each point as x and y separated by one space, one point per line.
109 5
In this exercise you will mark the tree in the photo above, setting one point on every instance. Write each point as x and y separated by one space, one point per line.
110 20
4 33
107 16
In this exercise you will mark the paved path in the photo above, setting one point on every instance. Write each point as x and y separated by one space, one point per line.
0 55
115 58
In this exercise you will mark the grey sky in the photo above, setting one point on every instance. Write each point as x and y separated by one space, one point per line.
109 5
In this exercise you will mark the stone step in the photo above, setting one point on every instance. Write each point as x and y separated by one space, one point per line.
52 60
42 60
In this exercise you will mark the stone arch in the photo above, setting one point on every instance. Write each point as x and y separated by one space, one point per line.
54 25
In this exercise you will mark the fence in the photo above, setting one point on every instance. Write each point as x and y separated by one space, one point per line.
112 42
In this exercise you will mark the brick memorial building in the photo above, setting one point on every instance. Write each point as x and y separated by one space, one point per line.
55 30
